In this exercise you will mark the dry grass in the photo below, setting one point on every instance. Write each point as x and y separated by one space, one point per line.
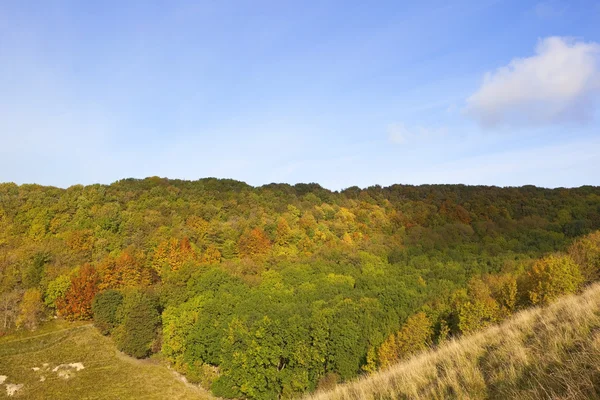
106 373
542 353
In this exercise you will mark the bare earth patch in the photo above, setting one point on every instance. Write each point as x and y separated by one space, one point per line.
11 389
65 371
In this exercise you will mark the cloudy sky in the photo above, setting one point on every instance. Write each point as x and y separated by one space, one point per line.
341 92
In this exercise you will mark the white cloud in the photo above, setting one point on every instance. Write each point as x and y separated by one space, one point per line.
398 133
559 83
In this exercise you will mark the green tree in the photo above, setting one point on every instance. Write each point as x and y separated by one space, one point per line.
251 360
56 290
140 321
105 306
35 271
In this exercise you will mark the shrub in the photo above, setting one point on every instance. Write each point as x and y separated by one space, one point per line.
140 320
104 307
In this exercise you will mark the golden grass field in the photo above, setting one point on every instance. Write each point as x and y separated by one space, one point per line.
541 353
106 373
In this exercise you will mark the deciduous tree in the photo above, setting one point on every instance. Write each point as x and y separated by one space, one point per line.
31 309
77 302
553 276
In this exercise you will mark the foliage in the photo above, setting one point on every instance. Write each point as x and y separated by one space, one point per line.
545 353
77 302
33 274
31 310
126 270
56 289
585 252
140 319
388 352
254 243
553 276
295 284
416 335
105 306
480 310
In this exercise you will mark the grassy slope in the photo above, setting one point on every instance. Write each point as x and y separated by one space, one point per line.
552 352
107 375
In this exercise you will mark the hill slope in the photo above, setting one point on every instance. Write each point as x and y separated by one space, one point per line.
73 361
274 291
551 352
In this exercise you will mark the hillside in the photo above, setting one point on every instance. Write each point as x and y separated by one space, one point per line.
551 352
275 291
73 361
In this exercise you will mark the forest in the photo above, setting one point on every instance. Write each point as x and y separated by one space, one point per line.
273 291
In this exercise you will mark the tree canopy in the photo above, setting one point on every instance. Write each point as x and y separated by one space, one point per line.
267 292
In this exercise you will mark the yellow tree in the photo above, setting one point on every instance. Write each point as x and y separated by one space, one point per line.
31 309
480 310
388 352
198 226
371 364
283 232
503 289
415 335
211 255
172 254
586 253
551 277
127 270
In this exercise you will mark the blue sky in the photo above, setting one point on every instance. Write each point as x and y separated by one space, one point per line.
341 93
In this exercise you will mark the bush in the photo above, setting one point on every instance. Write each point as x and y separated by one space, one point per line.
202 374
140 320
225 388
104 307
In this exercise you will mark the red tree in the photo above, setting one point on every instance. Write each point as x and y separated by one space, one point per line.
77 303
254 243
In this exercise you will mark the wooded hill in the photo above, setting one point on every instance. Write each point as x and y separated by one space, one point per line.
276 290
551 352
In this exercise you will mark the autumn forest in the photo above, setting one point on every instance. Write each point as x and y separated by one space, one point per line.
273 291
